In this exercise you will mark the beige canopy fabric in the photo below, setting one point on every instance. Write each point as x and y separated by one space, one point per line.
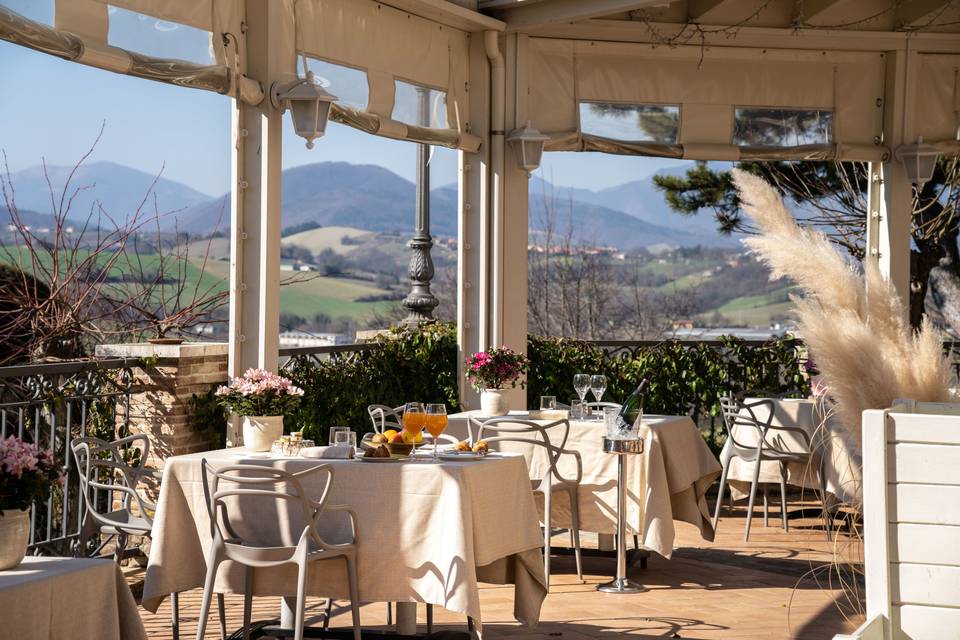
386 43
708 84
937 111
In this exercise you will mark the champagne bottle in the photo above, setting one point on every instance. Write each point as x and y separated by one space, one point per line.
632 407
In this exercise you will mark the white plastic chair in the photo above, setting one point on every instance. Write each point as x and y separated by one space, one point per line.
98 459
738 415
250 482
532 433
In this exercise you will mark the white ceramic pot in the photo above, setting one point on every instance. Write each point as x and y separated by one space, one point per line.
259 432
493 403
14 536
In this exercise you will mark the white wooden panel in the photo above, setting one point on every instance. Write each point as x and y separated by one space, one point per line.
925 544
925 503
934 464
876 550
921 427
929 623
926 584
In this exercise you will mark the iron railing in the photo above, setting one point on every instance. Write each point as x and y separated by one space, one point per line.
50 405
290 356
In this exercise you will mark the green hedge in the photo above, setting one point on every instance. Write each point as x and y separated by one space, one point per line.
408 365
421 365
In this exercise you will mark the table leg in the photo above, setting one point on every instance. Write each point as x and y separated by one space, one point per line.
406 618
606 542
621 584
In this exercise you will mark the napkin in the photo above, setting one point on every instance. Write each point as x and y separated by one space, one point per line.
334 453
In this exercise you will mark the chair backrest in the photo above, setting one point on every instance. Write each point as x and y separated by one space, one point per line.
263 493
384 417
737 415
528 433
911 516
101 466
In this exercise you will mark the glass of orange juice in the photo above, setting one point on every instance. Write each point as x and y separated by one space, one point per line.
414 419
436 423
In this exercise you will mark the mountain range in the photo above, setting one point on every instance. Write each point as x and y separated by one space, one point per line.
370 197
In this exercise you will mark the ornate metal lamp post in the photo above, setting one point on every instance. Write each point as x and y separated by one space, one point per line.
420 302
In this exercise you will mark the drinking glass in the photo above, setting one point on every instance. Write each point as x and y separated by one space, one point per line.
436 422
332 438
576 409
414 419
611 417
548 402
598 384
581 383
345 438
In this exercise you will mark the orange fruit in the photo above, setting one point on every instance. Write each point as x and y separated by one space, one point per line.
389 433
396 437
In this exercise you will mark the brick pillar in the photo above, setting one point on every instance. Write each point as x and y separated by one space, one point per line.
162 407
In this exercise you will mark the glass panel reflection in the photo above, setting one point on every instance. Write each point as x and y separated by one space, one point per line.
631 122
760 127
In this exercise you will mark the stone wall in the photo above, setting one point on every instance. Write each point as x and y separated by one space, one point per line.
162 408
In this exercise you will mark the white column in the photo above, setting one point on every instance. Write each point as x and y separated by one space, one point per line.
509 299
890 206
255 197
474 211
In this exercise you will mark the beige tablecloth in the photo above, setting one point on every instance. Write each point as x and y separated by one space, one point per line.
842 462
679 468
426 532
75 598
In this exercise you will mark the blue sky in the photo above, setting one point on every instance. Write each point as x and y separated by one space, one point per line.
53 109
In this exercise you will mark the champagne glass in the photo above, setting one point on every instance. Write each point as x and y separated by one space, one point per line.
598 384
581 383
414 420
436 419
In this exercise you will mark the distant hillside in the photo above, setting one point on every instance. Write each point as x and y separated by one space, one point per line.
119 190
371 198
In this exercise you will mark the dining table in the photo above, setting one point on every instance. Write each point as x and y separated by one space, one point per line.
666 483
835 450
426 532
50 598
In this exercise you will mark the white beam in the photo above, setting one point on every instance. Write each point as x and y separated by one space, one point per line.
914 12
808 10
697 9
526 16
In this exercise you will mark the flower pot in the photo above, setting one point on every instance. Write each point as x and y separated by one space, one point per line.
14 535
259 432
493 403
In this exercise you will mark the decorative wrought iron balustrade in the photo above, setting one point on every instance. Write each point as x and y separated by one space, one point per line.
50 405
291 356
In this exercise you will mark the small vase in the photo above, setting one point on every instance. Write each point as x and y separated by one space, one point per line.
493 403
259 432
14 536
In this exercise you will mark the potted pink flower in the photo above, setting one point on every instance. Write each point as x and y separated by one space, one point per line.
261 397
490 372
26 475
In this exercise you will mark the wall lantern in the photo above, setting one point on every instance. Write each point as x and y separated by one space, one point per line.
919 160
309 105
528 144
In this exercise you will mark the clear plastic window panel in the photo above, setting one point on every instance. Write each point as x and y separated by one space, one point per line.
41 11
159 38
655 123
420 106
759 127
348 84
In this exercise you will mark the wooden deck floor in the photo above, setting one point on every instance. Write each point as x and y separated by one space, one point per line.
775 586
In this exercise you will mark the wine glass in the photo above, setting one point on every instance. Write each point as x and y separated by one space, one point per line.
436 422
581 383
414 420
598 384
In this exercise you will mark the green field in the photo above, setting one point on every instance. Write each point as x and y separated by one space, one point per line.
758 310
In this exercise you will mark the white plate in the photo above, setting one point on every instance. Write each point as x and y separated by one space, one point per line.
366 459
465 455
